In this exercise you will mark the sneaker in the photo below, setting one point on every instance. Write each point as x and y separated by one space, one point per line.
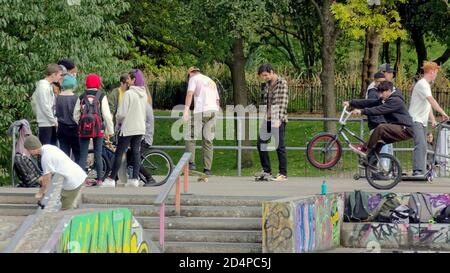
132 183
99 182
192 166
207 172
109 183
90 182
262 173
149 181
359 149
418 173
280 178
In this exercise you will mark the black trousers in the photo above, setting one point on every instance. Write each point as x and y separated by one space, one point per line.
122 146
69 140
130 160
47 135
265 134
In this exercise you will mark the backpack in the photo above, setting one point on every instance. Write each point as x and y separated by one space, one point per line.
357 206
421 211
27 171
444 216
387 205
90 124
400 215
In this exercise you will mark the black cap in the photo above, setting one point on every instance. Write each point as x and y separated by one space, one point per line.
386 68
378 75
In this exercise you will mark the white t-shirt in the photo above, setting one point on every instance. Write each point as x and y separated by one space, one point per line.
205 93
54 160
420 107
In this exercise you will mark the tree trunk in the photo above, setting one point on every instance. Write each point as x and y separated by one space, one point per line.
385 54
330 32
443 58
237 67
398 55
421 50
370 61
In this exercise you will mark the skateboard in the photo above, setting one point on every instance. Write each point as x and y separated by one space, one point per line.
202 177
262 177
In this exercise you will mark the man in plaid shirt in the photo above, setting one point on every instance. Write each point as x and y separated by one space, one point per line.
274 123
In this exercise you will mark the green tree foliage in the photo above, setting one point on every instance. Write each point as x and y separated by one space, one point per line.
356 16
34 33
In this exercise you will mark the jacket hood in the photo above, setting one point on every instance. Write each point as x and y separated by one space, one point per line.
397 94
140 90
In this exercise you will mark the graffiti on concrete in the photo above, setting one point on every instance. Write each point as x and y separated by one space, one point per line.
439 201
277 227
112 231
302 225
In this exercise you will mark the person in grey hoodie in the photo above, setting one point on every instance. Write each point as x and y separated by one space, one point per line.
43 105
131 117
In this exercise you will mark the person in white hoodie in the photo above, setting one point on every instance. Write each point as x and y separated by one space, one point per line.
130 118
43 104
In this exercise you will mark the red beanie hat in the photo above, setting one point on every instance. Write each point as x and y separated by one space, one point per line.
93 81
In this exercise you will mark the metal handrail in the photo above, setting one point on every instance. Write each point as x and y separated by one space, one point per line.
174 178
29 221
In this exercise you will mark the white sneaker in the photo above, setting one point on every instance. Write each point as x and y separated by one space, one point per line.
132 183
108 183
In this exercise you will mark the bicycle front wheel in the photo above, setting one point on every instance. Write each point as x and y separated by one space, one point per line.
324 151
91 169
158 164
383 172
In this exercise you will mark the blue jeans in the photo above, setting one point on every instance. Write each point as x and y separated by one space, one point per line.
98 148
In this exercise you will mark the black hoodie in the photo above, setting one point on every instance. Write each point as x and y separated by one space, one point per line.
393 109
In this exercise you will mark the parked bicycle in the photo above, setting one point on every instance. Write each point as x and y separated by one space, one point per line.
156 162
432 168
383 171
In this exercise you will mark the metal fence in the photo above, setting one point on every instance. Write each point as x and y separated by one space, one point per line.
303 97
345 168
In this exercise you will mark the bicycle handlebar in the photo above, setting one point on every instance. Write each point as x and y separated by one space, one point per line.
344 116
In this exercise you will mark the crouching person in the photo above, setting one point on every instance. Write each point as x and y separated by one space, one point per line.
55 161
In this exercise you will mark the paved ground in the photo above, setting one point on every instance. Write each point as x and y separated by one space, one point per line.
245 186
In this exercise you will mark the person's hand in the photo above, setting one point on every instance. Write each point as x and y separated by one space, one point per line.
39 196
433 123
186 116
356 112
346 104
444 117
276 124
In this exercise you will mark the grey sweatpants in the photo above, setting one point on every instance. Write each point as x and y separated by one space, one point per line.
420 147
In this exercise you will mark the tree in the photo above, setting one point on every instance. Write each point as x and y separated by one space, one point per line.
377 23
36 33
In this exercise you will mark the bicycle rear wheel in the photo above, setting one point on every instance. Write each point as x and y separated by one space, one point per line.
158 164
324 151
383 172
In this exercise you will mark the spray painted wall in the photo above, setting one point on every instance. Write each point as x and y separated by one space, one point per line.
303 224
112 231
385 235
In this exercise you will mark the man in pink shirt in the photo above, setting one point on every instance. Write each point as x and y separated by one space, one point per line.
206 104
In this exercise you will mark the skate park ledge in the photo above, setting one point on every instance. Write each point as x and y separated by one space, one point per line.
315 224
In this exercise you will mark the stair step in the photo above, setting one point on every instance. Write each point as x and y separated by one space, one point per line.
186 200
17 198
195 247
219 236
189 211
209 223
17 209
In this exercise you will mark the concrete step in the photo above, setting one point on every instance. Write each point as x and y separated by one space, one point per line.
208 223
17 209
17 198
186 200
8 227
194 247
217 236
189 211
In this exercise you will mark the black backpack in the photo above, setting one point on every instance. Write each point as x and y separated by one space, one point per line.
444 216
356 208
27 171
90 124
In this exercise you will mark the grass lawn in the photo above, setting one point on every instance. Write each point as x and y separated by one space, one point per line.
297 135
